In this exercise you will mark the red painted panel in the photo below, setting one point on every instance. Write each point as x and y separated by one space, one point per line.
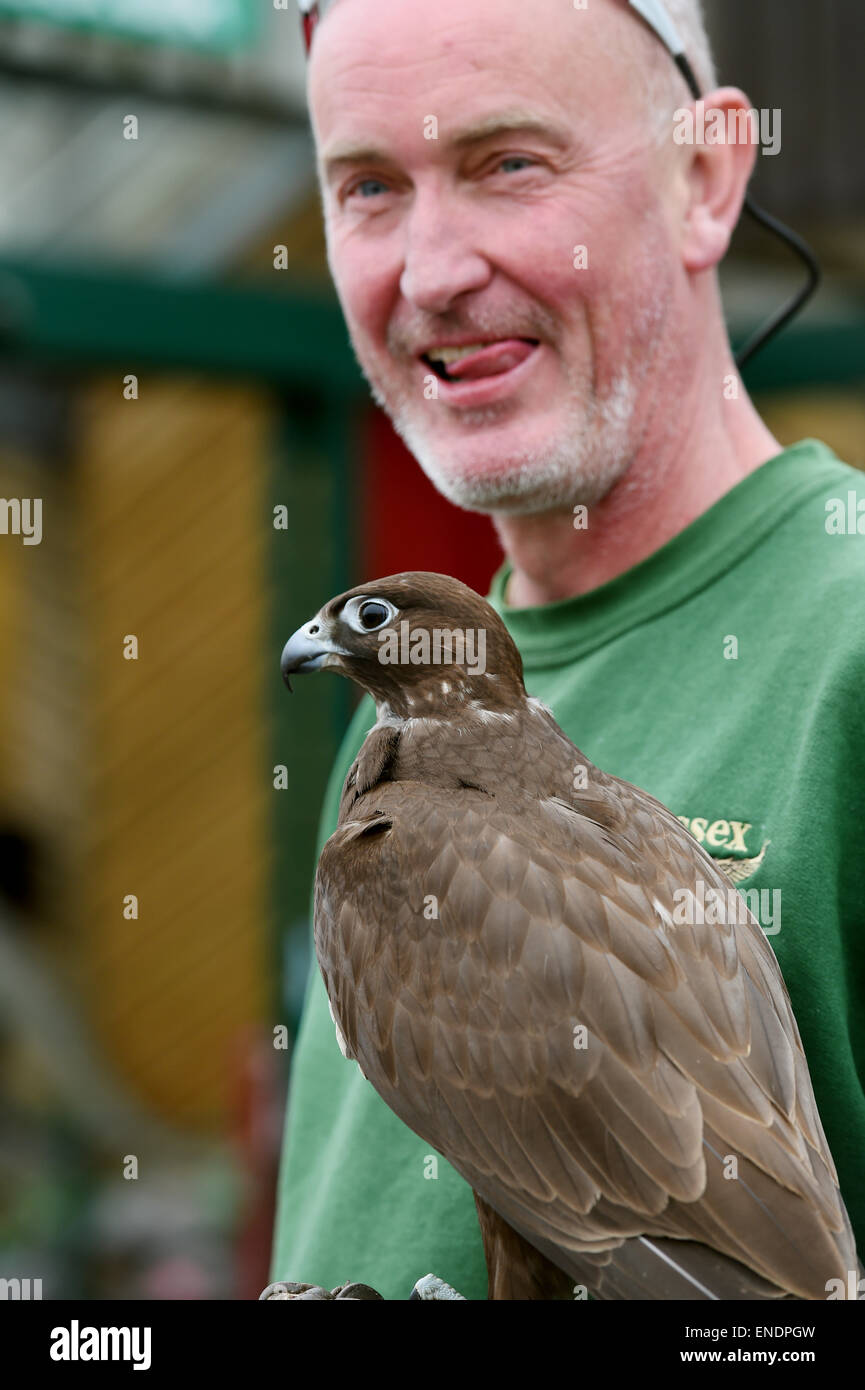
407 525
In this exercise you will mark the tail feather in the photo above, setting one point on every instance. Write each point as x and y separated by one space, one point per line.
656 1267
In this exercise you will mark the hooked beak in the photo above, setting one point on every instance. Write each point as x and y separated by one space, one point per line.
308 649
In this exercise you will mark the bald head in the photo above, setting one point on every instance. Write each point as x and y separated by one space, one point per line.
653 71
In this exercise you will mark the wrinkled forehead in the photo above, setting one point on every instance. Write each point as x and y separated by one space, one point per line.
380 66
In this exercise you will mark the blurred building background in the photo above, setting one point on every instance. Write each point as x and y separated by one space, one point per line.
177 386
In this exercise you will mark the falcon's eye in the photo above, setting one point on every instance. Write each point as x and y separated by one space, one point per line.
368 614
372 615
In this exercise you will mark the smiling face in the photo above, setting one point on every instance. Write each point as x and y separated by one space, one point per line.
542 144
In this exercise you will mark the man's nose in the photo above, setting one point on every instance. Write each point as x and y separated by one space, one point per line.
441 256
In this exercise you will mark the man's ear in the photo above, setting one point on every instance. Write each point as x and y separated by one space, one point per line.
721 141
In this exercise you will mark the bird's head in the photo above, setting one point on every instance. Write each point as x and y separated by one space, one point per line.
419 643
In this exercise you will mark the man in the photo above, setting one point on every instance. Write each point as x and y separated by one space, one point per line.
503 179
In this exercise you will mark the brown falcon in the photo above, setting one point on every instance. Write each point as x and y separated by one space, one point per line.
544 975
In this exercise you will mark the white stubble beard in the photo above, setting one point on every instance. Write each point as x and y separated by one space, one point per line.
590 452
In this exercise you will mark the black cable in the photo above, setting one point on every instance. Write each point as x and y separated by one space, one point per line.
787 311
791 239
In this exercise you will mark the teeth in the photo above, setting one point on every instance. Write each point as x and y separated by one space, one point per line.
453 354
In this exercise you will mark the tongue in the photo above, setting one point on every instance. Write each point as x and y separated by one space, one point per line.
490 361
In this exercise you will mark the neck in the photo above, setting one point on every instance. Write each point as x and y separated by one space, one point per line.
453 697
478 739
676 474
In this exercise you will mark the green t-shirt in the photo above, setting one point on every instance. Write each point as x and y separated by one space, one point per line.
725 674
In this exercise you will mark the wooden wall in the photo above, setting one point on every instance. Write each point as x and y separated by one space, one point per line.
174 535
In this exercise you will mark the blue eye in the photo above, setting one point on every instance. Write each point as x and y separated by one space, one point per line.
366 183
520 159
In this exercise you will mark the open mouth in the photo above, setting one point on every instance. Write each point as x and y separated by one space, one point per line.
477 360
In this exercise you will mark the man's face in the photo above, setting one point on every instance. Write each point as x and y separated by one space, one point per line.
466 152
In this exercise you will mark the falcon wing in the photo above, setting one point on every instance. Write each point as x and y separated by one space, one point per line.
514 982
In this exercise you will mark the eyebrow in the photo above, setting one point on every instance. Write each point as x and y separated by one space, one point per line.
515 122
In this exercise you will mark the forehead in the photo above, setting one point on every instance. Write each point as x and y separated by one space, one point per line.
393 60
